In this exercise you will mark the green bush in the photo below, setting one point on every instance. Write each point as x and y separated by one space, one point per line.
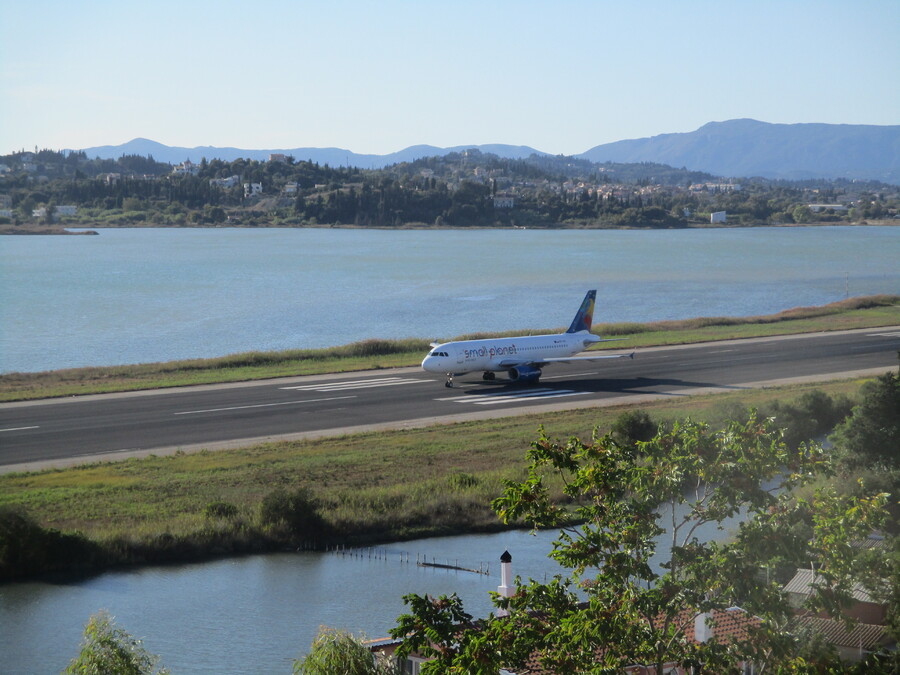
106 648
811 416
633 426
221 510
297 510
871 435
337 651
26 548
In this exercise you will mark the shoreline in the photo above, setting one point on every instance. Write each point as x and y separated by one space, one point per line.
77 229
42 230
858 312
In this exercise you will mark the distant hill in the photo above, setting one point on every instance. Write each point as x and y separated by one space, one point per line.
735 149
334 157
745 147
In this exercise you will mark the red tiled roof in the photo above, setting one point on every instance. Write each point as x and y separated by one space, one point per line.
727 625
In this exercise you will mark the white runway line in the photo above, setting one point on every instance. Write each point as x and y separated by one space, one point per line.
261 405
500 397
356 384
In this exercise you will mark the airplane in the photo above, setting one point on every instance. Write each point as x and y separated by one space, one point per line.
521 357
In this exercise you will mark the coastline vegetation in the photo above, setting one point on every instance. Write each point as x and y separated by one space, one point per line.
861 312
352 490
460 190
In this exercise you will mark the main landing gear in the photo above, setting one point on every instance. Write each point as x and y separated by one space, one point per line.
488 376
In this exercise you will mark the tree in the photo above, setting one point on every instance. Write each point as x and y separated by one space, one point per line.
632 426
296 510
871 435
622 605
336 651
802 214
49 210
106 649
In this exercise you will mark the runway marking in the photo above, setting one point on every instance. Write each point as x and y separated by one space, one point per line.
19 428
716 362
357 384
562 377
500 397
261 405
894 334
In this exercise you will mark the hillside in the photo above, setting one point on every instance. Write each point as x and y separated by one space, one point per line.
331 156
747 147
734 149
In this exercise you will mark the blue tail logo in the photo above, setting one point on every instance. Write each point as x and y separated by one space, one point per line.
585 315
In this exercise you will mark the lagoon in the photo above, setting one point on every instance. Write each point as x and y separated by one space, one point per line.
158 294
254 614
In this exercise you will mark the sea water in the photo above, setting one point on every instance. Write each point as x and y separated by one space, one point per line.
158 294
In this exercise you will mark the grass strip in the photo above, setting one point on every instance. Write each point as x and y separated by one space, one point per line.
863 312
369 487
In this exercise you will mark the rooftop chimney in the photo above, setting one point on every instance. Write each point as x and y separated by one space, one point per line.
702 630
505 589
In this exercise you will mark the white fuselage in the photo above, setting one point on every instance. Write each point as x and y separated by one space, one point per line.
499 354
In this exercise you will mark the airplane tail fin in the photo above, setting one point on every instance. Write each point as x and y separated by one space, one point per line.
585 315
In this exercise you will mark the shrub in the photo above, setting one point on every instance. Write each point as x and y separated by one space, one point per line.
297 510
221 510
106 648
461 481
871 435
633 426
337 651
812 415
27 548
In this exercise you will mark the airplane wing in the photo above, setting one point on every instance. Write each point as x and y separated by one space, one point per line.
512 363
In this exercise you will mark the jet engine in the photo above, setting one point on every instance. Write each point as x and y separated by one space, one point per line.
524 374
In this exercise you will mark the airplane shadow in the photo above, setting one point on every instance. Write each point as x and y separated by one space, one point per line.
629 385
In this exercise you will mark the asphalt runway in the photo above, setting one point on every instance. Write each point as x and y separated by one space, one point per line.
63 432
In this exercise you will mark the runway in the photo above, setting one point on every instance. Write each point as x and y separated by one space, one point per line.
63 432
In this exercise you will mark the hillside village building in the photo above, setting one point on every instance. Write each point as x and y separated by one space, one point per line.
186 168
229 182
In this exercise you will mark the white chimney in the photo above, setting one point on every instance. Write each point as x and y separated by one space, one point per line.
505 589
702 630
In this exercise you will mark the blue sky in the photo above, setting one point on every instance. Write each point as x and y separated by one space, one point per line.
375 77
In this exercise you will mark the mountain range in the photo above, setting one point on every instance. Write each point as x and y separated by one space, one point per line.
738 148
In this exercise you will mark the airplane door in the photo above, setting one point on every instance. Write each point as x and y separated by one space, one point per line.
459 356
